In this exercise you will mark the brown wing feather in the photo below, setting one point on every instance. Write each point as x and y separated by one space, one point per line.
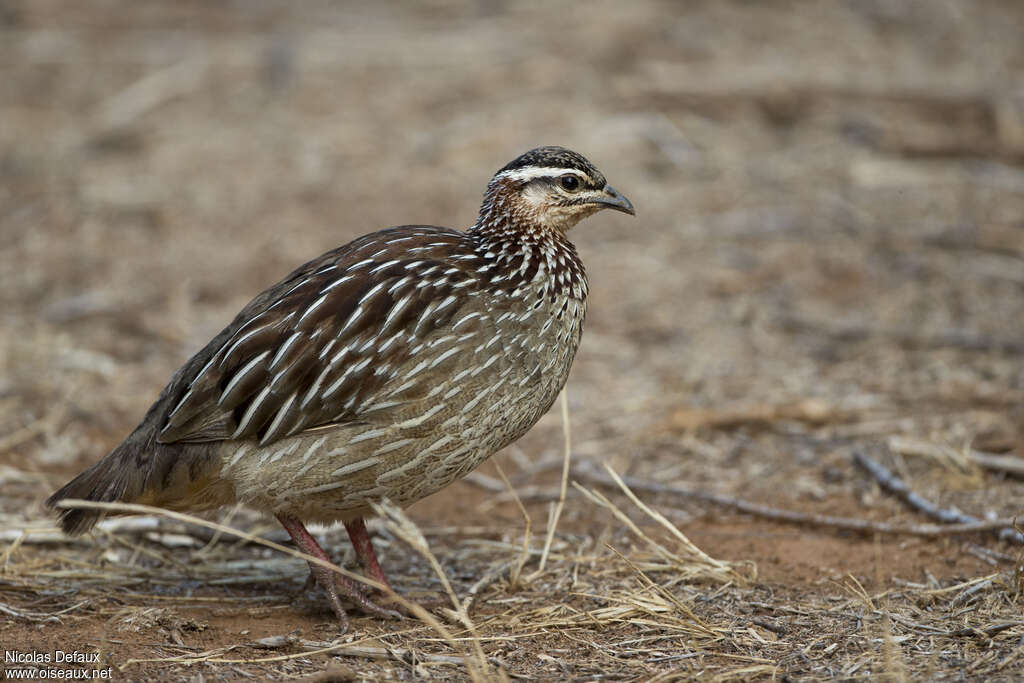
311 350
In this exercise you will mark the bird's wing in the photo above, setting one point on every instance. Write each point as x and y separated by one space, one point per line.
308 352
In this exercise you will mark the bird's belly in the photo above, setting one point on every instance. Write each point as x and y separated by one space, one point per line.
414 449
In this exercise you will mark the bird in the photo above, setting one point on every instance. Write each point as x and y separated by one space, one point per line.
385 369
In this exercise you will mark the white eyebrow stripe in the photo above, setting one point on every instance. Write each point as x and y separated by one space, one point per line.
533 172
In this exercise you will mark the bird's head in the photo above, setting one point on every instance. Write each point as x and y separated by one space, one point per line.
551 187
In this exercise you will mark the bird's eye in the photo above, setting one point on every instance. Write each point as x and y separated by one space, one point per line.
569 182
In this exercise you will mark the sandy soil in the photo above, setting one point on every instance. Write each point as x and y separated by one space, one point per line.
828 259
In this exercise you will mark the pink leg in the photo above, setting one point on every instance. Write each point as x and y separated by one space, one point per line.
330 581
368 558
364 550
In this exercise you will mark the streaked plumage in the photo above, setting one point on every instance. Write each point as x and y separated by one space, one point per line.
386 368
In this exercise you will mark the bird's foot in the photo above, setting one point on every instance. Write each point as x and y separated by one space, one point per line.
337 587
395 604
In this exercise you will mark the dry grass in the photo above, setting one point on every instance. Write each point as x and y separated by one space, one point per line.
827 261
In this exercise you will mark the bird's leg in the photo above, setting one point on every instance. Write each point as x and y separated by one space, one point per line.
334 584
364 551
368 558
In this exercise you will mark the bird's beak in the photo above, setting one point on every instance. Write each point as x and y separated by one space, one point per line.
613 199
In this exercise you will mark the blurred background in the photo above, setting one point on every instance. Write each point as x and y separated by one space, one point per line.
828 252
825 191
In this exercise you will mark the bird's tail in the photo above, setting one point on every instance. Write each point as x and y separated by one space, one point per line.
107 481
140 470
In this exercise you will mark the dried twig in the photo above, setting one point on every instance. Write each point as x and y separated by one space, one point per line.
149 92
897 487
971 591
408 533
810 411
402 654
405 529
689 562
411 535
557 511
310 648
37 616
955 458
586 472
514 575
489 577
685 542
986 632
1010 464
74 503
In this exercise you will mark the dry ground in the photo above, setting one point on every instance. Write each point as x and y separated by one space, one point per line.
828 259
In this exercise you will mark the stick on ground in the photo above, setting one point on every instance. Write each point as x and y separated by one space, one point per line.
899 488
585 471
